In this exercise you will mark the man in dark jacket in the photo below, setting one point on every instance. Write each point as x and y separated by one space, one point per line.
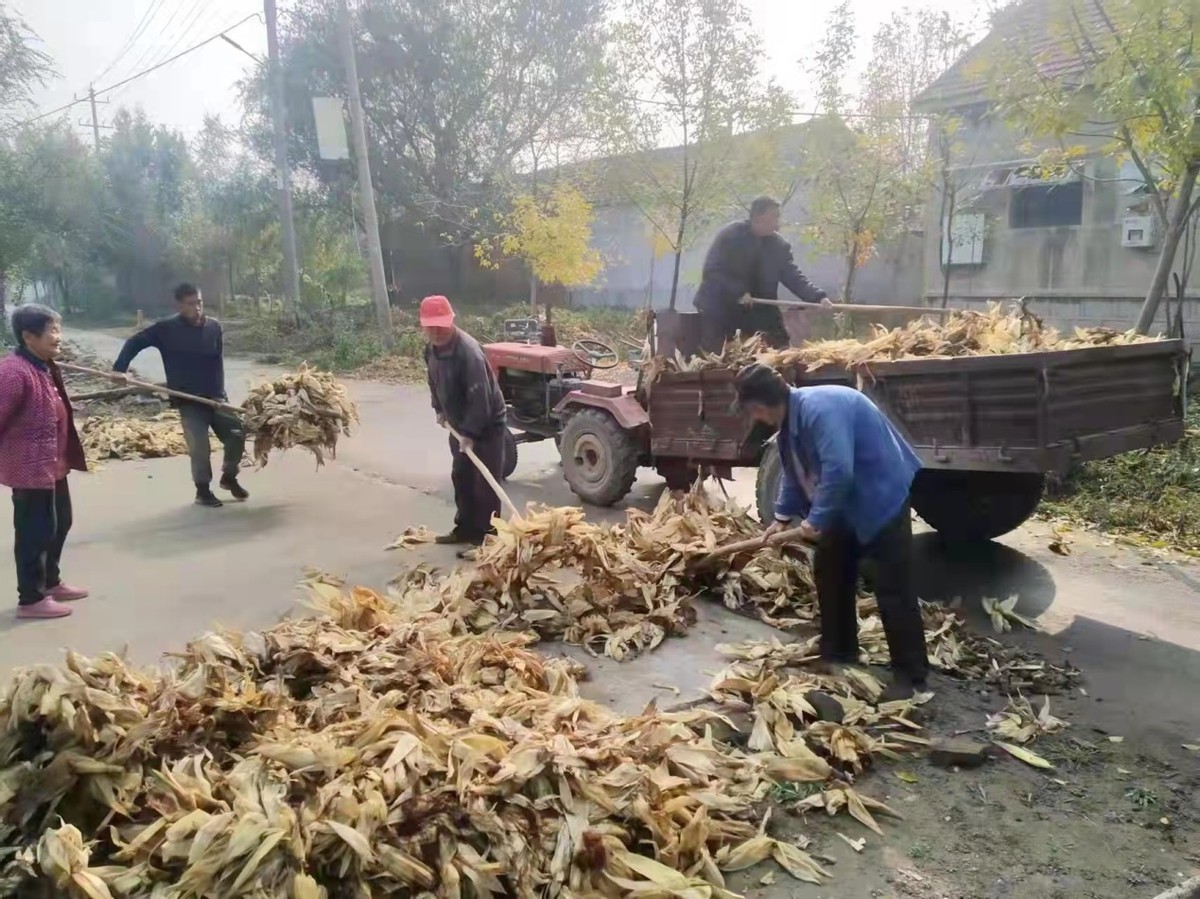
466 397
192 350
749 257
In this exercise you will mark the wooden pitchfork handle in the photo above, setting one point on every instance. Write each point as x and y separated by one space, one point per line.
153 388
851 308
791 535
487 475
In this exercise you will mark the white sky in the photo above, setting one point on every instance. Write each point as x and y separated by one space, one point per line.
86 36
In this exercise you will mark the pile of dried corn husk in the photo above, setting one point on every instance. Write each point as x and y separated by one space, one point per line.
620 590
377 750
997 331
738 351
309 409
132 438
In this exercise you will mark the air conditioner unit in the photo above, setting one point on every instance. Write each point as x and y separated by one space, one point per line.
1139 231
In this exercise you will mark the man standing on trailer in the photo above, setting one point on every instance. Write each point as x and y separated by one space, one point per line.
749 257
193 355
847 473
466 397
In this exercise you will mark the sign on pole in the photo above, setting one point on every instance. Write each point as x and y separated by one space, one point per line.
330 116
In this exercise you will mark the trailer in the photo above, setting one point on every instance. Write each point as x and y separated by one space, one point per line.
989 429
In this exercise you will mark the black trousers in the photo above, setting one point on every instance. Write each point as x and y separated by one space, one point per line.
835 570
474 498
719 325
41 520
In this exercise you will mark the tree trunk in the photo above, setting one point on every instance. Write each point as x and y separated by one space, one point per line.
533 295
851 271
1166 257
675 279
4 298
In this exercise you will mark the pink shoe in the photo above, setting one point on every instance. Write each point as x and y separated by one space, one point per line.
66 593
47 608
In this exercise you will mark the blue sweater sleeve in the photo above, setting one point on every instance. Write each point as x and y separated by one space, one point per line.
792 501
834 445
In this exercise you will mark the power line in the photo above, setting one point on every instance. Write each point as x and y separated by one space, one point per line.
142 74
147 17
186 27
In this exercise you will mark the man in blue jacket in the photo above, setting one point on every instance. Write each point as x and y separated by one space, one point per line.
847 473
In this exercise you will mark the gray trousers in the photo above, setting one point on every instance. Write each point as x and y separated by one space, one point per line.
197 421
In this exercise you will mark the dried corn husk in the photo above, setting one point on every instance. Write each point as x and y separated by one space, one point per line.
997 331
132 438
309 409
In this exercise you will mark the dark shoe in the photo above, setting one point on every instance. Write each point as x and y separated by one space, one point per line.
833 665
454 538
236 490
901 688
205 497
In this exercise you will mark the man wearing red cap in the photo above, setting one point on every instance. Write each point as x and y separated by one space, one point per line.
466 396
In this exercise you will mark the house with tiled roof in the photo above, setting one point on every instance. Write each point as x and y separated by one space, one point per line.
1081 244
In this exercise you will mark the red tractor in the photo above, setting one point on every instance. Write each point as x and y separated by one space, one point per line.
602 429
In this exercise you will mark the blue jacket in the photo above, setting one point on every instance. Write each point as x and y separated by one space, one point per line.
861 466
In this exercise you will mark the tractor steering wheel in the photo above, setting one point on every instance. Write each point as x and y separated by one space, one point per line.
596 354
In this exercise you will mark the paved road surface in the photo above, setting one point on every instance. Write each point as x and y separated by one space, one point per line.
163 570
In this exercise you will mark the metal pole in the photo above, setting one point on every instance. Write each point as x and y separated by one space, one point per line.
358 133
95 117
291 263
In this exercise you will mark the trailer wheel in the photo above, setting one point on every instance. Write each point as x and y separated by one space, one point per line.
599 457
972 506
510 455
766 485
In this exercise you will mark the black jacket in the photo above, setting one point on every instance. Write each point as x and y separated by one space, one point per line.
739 262
463 386
192 355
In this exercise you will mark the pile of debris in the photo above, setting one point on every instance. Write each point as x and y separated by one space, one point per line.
619 590
998 331
375 751
129 438
415 743
309 409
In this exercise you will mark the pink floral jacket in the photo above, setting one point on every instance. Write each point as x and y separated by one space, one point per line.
29 423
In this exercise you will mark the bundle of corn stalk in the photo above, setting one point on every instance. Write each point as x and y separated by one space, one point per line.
997 331
737 352
132 438
309 409
377 750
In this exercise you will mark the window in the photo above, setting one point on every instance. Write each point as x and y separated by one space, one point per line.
1046 206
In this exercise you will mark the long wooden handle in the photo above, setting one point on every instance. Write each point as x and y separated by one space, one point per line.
791 535
487 475
153 388
851 308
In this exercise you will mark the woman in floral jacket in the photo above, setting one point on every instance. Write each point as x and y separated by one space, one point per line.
38 446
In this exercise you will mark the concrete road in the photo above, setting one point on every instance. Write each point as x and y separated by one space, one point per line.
163 570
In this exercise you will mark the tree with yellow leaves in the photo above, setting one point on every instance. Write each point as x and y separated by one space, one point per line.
552 236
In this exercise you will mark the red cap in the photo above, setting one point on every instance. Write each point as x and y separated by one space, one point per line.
436 312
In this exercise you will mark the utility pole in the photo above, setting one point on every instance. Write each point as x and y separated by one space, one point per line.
291 264
358 133
95 117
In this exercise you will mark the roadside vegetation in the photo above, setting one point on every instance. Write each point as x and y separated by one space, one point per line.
1149 497
346 340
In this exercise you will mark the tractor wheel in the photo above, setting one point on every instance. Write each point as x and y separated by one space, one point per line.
510 455
974 506
766 485
599 457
